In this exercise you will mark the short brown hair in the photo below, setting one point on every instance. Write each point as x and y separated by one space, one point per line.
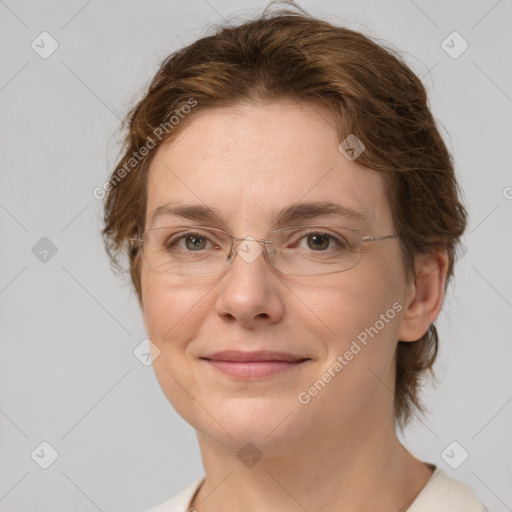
286 54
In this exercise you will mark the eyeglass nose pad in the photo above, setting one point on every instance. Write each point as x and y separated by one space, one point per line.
248 248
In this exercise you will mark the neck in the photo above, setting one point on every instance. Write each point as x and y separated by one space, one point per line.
361 467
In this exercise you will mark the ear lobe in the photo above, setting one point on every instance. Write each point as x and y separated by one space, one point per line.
425 299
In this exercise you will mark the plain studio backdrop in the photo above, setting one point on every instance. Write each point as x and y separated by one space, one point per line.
84 425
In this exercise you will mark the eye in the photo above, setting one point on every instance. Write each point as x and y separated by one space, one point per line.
320 241
193 242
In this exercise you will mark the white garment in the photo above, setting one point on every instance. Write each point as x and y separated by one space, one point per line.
440 494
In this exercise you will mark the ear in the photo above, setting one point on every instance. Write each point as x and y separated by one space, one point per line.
424 298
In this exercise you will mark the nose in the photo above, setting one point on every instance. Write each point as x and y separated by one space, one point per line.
250 292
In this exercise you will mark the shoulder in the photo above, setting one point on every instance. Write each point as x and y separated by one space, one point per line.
442 492
445 494
180 502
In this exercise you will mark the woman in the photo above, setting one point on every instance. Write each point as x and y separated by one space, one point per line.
290 213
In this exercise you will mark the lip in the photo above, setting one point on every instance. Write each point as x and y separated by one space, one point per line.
254 364
253 356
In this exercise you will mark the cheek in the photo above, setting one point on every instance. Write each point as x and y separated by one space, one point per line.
362 306
361 311
172 316
347 305
171 310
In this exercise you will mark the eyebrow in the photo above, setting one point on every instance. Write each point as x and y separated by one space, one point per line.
284 216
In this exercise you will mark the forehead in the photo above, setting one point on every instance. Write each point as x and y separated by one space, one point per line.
250 162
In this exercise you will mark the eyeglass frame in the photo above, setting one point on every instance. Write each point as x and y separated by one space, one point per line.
139 242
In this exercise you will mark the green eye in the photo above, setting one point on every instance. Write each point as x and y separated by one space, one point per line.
318 241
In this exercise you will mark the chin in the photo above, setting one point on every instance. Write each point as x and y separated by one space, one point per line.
272 425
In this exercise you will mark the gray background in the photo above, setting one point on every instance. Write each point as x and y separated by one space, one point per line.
69 326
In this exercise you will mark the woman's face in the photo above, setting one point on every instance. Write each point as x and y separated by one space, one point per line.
246 163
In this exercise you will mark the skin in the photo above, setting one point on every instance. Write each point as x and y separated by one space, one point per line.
340 451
